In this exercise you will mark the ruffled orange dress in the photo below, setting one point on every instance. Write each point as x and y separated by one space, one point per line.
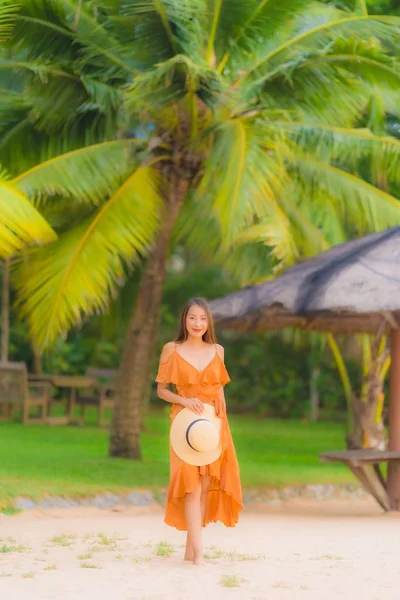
224 501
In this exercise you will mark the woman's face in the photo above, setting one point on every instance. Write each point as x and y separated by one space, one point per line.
196 321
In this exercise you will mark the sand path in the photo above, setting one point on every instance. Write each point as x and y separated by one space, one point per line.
300 550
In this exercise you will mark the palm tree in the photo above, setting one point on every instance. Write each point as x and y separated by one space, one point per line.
233 123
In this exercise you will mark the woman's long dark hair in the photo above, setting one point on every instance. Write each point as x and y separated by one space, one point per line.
209 335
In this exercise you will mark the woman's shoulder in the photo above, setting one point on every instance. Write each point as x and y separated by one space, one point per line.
220 350
167 351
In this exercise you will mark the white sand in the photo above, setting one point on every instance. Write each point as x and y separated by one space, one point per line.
302 550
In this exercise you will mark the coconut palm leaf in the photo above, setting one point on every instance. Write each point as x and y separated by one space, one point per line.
248 171
80 275
369 207
20 223
160 29
87 174
170 82
8 13
58 28
366 68
256 22
35 67
316 39
346 145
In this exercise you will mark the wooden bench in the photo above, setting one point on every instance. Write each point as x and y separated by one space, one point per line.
16 391
365 465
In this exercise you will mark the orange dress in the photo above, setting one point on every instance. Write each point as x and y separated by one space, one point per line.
225 493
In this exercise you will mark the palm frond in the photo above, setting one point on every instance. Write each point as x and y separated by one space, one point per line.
157 30
258 21
78 275
368 69
288 229
37 68
198 230
56 29
40 31
346 145
317 39
315 97
171 81
8 12
247 263
242 173
87 174
97 41
20 222
356 201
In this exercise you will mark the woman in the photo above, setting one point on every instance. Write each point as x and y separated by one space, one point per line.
194 363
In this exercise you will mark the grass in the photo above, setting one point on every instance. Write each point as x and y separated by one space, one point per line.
231 581
86 556
216 553
73 461
64 539
328 557
164 549
141 559
8 548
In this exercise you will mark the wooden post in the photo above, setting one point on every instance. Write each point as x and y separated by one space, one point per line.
314 394
393 483
5 312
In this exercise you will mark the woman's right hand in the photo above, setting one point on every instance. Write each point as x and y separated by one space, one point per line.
193 404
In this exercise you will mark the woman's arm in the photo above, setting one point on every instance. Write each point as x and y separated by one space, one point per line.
166 394
220 406
193 404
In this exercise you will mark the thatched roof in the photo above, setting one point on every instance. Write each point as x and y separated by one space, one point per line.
354 287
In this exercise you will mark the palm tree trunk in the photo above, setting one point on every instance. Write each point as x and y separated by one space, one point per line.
368 430
141 338
5 311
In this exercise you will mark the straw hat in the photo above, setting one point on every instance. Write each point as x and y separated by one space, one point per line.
196 439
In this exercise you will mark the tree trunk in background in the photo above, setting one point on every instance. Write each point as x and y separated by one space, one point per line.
368 430
314 394
141 338
37 360
5 311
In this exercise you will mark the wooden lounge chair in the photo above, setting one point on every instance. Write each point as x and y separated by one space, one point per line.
17 392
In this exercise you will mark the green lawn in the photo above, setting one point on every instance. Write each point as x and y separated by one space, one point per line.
72 461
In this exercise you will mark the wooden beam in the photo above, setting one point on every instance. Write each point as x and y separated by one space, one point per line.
393 484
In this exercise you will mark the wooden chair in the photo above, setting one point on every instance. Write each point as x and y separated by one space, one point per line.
17 392
104 399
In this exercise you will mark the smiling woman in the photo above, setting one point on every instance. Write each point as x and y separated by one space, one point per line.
204 473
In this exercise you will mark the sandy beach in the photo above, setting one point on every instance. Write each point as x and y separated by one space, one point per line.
302 549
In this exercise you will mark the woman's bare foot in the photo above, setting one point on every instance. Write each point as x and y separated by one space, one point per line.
189 552
198 560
